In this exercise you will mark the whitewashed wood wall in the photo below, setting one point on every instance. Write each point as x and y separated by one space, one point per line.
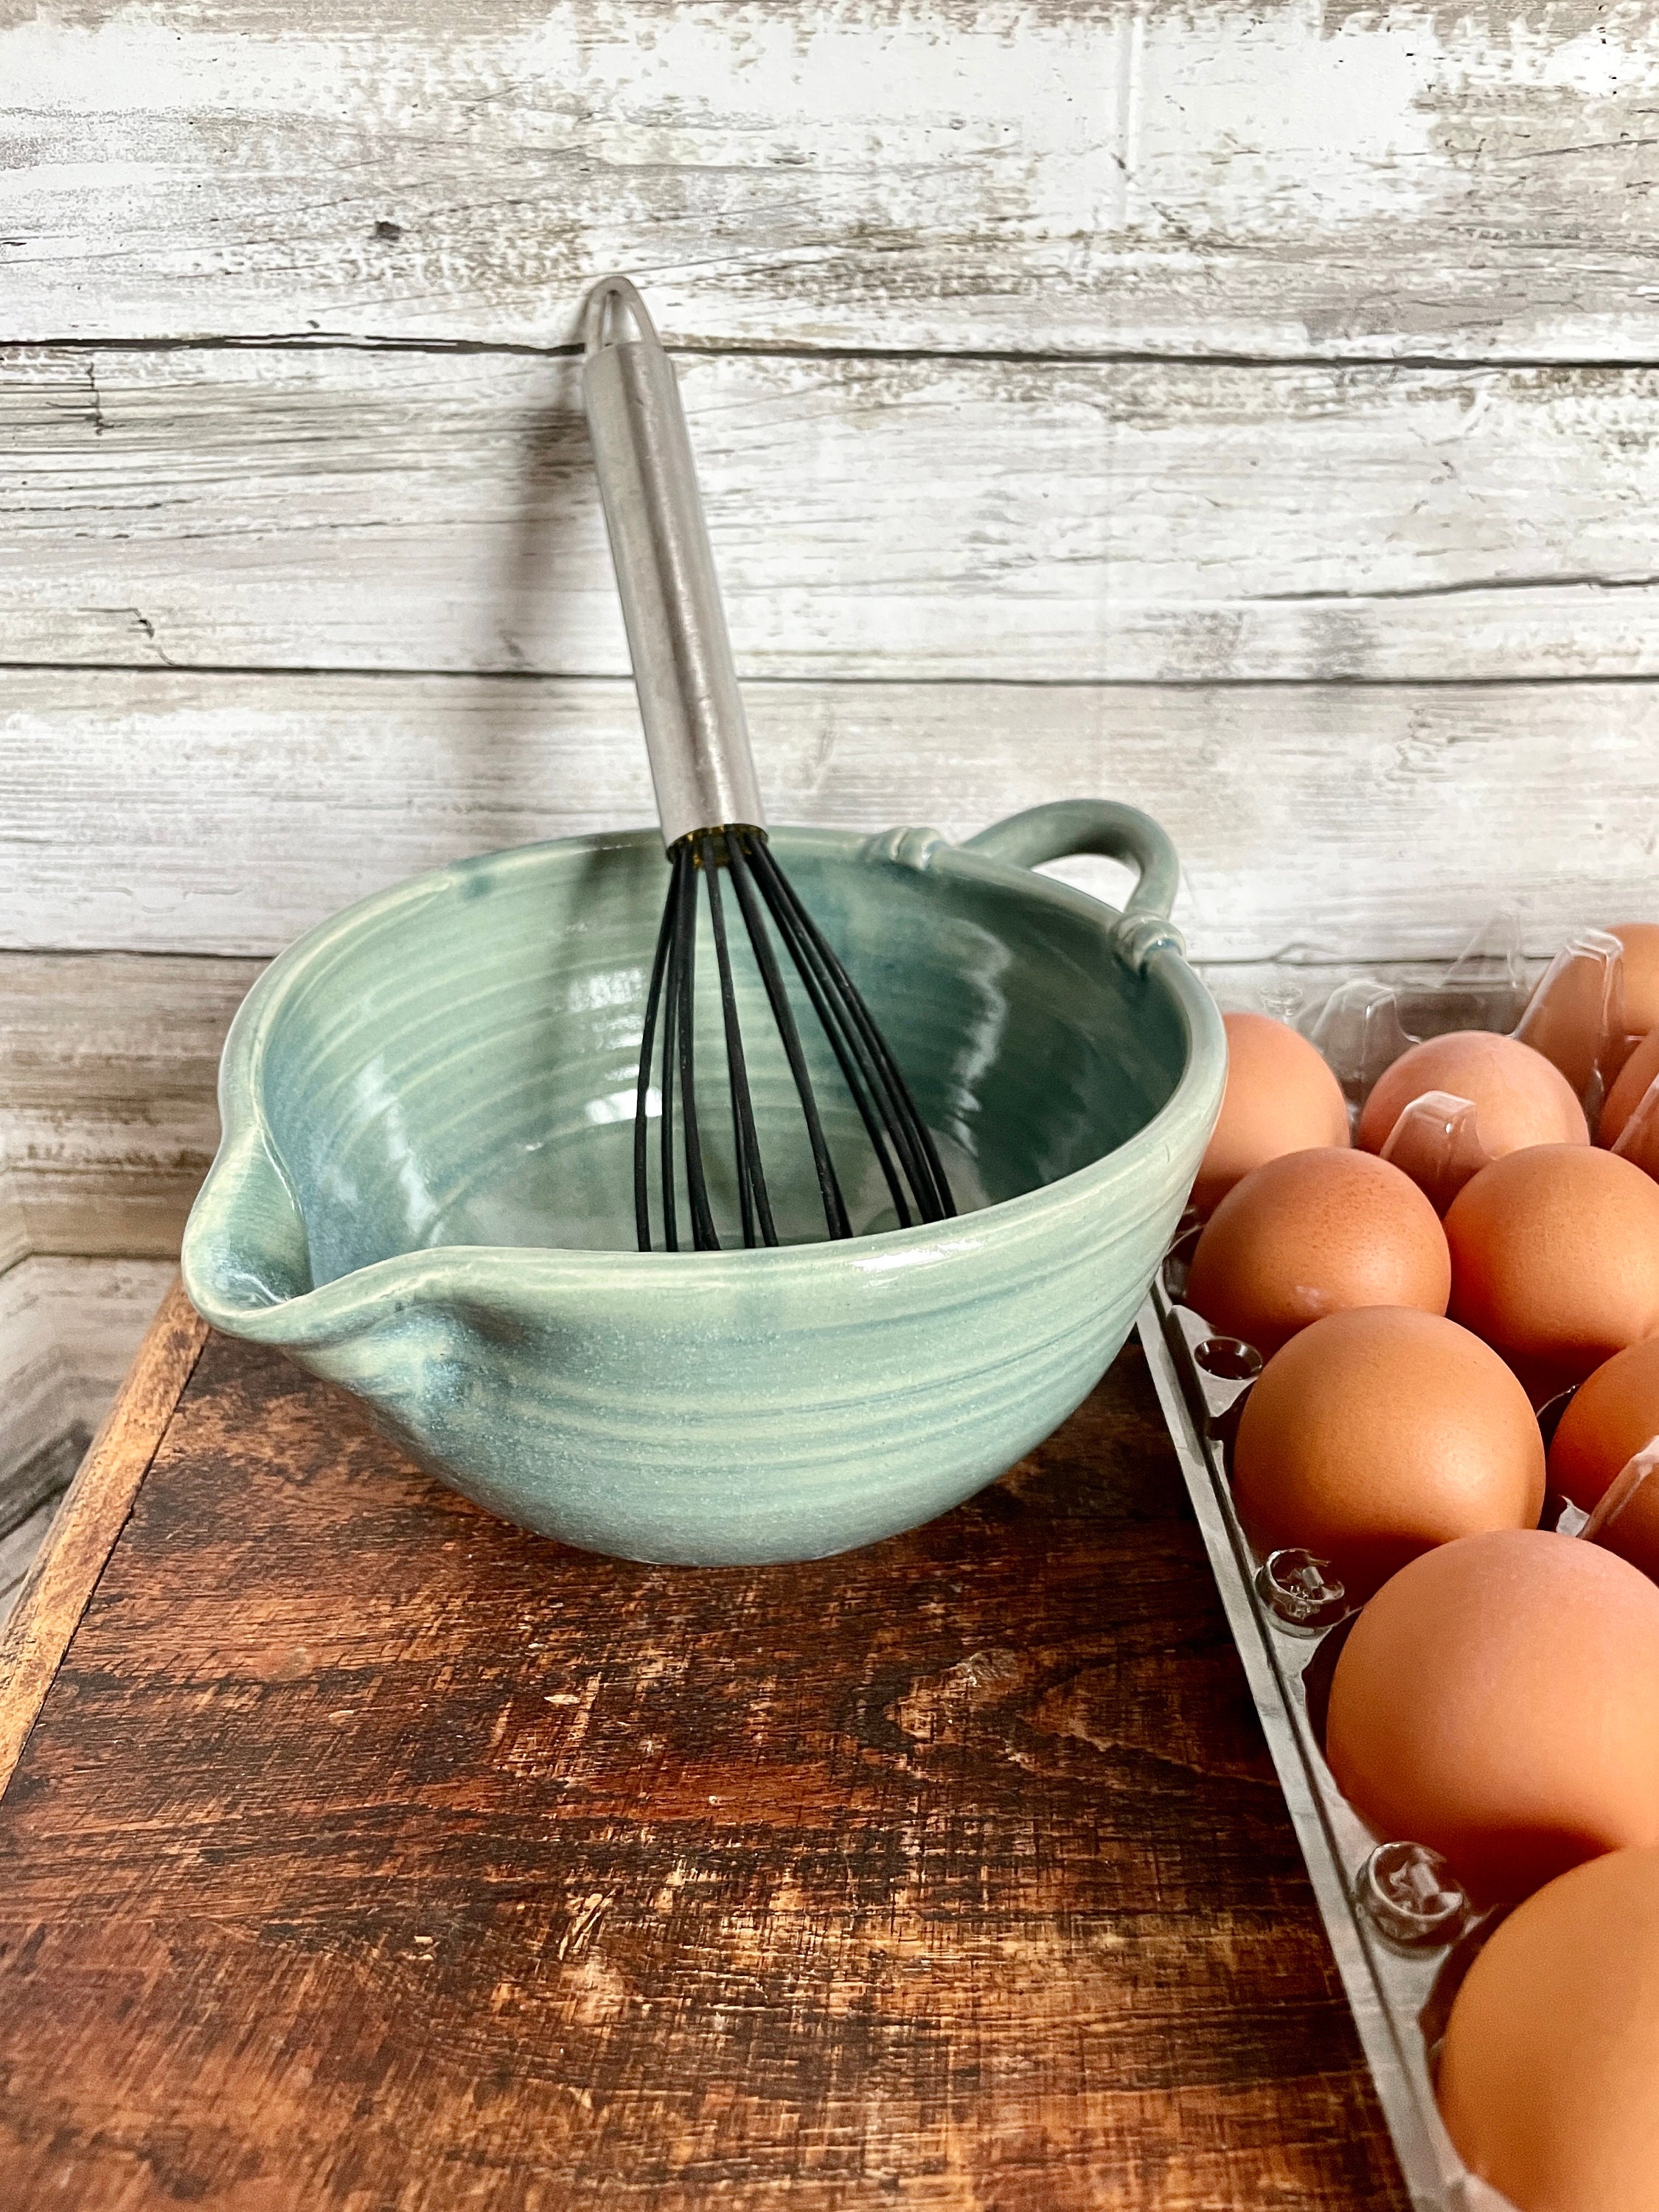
1251 413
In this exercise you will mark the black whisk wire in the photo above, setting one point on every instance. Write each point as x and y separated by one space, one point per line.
855 1072
671 1014
642 1094
898 1137
704 1238
841 1008
834 1205
752 1197
936 1204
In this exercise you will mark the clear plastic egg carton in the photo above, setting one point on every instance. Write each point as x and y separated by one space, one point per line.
1402 1931
1400 1928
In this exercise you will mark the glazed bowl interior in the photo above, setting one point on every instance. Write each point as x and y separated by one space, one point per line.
455 1064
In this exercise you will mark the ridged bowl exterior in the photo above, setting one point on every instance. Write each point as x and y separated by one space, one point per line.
393 1066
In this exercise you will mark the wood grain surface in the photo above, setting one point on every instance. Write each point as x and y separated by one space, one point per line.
1305 176
925 518
366 1853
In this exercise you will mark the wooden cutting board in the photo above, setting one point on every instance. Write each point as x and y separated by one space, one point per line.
358 1851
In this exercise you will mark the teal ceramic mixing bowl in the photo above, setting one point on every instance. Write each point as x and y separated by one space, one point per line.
423 1192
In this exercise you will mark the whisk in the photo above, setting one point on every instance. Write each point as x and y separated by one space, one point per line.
713 827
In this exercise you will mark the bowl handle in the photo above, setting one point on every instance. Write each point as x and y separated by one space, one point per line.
1069 826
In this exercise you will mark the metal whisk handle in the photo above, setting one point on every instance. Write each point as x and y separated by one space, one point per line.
695 732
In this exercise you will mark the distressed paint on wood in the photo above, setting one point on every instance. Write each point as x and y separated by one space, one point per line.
1295 177
1047 522
14 1231
432 1863
184 813
107 1120
68 1329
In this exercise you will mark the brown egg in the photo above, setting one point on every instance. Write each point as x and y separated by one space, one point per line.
1611 1416
1641 942
1376 1434
1555 1259
1638 1140
1626 1521
1549 2074
1498 1700
1519 1097
1311 1233
1638 1072
1280 1097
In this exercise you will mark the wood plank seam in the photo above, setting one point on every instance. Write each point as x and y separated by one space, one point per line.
1172 356
1114 172
946 521
1379 823
66 1571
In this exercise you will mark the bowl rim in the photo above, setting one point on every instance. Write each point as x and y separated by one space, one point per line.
341 1306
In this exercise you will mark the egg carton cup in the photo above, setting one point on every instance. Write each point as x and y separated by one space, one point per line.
1402 1931
1570 1008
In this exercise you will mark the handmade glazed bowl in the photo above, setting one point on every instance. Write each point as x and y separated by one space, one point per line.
424 1194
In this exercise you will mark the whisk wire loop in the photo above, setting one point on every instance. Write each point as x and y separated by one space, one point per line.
899 1119
703 1236
666 1093
643 1095
860 1079
910 1129
834 1205
930 1182
774 920
752 1198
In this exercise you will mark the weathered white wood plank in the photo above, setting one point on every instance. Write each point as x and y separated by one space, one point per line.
14 1231
69 1329
919 517
1300 177
180 813
108 1120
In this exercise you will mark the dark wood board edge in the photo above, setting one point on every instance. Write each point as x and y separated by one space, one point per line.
93 1512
